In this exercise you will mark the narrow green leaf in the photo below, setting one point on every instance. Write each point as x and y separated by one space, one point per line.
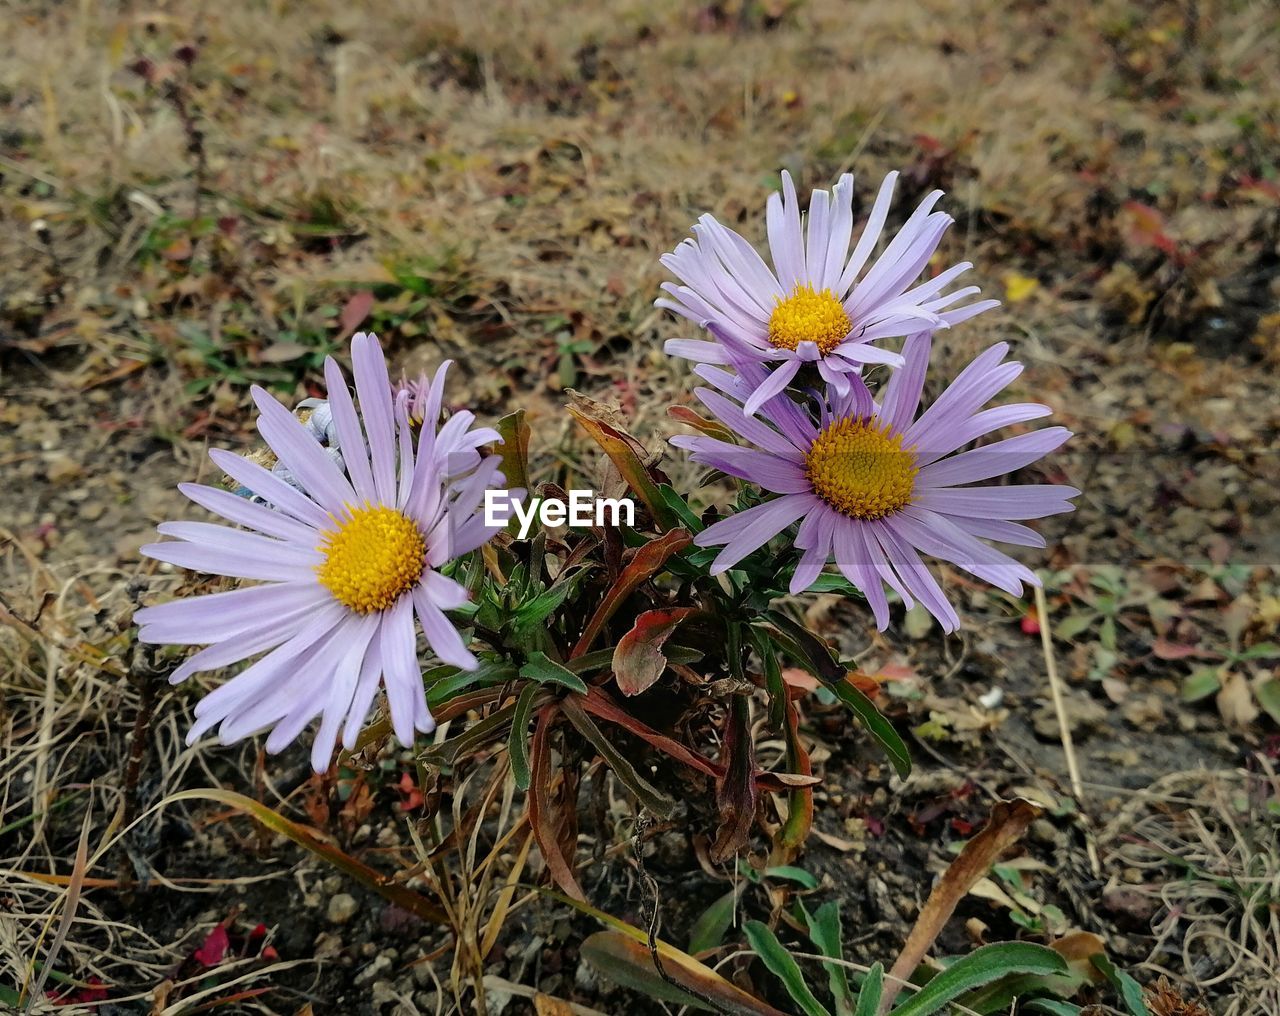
490 672
646 793
810 652
783 966
544 670
1129 989
601 659
480 732
978 968
518 742
872 989
832 582
877 726
534 613
712 925
1052 1006
687 516
824 930
793 874
773 681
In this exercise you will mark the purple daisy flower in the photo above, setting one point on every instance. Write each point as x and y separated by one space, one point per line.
872 485
346 559
816 305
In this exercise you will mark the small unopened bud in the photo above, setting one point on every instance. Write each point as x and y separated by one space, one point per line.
186 54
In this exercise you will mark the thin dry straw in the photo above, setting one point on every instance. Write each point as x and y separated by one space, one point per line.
1064 729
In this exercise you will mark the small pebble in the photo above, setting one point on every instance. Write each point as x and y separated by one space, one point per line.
342 908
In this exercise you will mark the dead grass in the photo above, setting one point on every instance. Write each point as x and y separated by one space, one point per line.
1214 868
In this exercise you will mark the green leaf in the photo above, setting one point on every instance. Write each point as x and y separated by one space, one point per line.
646 793
793 874
824 930
1268 696
601 659
534 613
517 743
544 670
773 681
1052 1006
978 968
1107 633
1129 989
783 966
872 989
877 726
1262 651
687 516
490 672
831 582
479 733
712 925
1201 684
1073 624
809 651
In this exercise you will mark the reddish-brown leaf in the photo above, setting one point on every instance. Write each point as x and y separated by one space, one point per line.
543 819
598 702
638 661
621 449
644 564
354 312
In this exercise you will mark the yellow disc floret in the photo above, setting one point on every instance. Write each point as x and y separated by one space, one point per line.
860 468
374 556
809 315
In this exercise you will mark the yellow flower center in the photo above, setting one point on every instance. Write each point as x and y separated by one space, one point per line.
372 558
809 315
860 469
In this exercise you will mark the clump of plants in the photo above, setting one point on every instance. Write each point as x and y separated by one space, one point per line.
388 559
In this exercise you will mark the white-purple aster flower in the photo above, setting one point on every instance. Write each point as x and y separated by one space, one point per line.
873 486
345 563
817 304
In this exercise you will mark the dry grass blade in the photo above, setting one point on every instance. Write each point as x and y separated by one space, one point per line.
1064 728
1009 820
502 907
70 903
312 840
